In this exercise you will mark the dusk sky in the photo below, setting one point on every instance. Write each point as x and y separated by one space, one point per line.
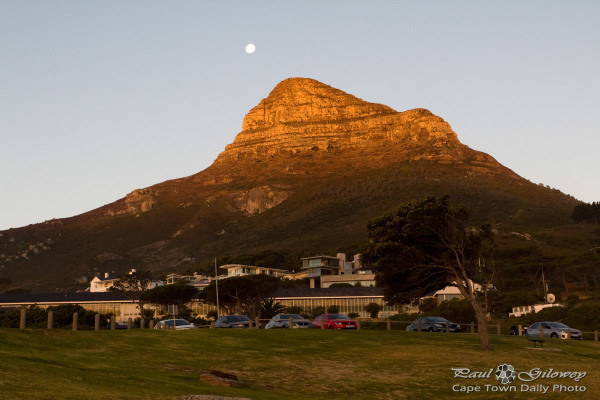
98 98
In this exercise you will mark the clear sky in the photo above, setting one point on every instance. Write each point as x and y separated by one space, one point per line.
98 98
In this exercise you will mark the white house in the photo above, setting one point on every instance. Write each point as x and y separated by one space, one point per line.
241 270
522 310
99 284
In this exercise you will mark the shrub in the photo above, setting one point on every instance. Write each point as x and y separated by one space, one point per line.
333 309
455 310
373 309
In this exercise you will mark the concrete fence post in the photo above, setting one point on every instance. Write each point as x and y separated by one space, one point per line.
50 319
541 331
129 323
358 323
75 321
595 336
472 327
212 324
520 330
291 322
419 325
447 326
112 323
389 324
322 323
257 322
97 322
569 333
498 326
151 325
250 324
23 321
142 323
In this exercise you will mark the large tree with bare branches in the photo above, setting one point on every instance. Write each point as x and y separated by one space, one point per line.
427 245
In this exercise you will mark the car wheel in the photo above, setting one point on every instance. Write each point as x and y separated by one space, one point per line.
330 326
554 336
430 330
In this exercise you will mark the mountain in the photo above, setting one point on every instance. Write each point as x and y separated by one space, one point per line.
310 167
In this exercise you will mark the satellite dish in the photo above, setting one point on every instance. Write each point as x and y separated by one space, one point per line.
550 298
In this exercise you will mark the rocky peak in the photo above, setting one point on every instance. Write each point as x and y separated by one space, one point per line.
303 114
302 100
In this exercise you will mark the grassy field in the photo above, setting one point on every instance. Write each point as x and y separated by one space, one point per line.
284 364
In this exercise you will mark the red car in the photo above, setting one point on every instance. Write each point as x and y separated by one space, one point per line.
335 321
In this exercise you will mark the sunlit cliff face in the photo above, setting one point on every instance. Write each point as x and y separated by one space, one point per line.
302 115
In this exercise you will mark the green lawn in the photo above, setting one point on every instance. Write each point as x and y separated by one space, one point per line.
283 364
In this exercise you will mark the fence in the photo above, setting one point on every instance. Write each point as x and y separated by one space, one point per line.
362 323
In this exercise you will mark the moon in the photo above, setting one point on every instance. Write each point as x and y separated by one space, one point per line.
250 48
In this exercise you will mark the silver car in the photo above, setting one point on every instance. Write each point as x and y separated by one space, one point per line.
553 330
177 323
233 321
283 321
432 324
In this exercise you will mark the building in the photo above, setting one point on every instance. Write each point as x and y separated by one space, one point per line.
241 270
347 299
102 284
197 281
99 284
523 310
324 271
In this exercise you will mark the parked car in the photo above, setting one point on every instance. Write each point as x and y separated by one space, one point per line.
553 330
179 324
117 326
283 321
335 321
233 321
432 324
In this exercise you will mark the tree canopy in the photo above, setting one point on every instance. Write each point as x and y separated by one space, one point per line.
426 246
177 294
133 285
242 294
586 213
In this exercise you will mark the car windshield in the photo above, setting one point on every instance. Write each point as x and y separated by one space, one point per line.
558 325
287 316
180 322
436 319
338 316
237 318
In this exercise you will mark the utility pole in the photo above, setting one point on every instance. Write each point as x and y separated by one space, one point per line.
217 286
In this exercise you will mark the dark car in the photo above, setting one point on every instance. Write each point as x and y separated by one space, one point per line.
554 330
283 321
335 321
432 324
233 321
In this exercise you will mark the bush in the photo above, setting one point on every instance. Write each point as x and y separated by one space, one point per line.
585 316
353 315
455 310
373 309
428 304
333 309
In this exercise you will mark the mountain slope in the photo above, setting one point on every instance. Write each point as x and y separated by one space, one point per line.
311 165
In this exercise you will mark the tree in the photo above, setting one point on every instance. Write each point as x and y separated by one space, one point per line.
133 285
425 246
178 294
270 308
242 294
373 309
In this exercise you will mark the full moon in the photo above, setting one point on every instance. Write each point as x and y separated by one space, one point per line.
250 48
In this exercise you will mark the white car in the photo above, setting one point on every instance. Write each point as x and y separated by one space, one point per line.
178 323
283 321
